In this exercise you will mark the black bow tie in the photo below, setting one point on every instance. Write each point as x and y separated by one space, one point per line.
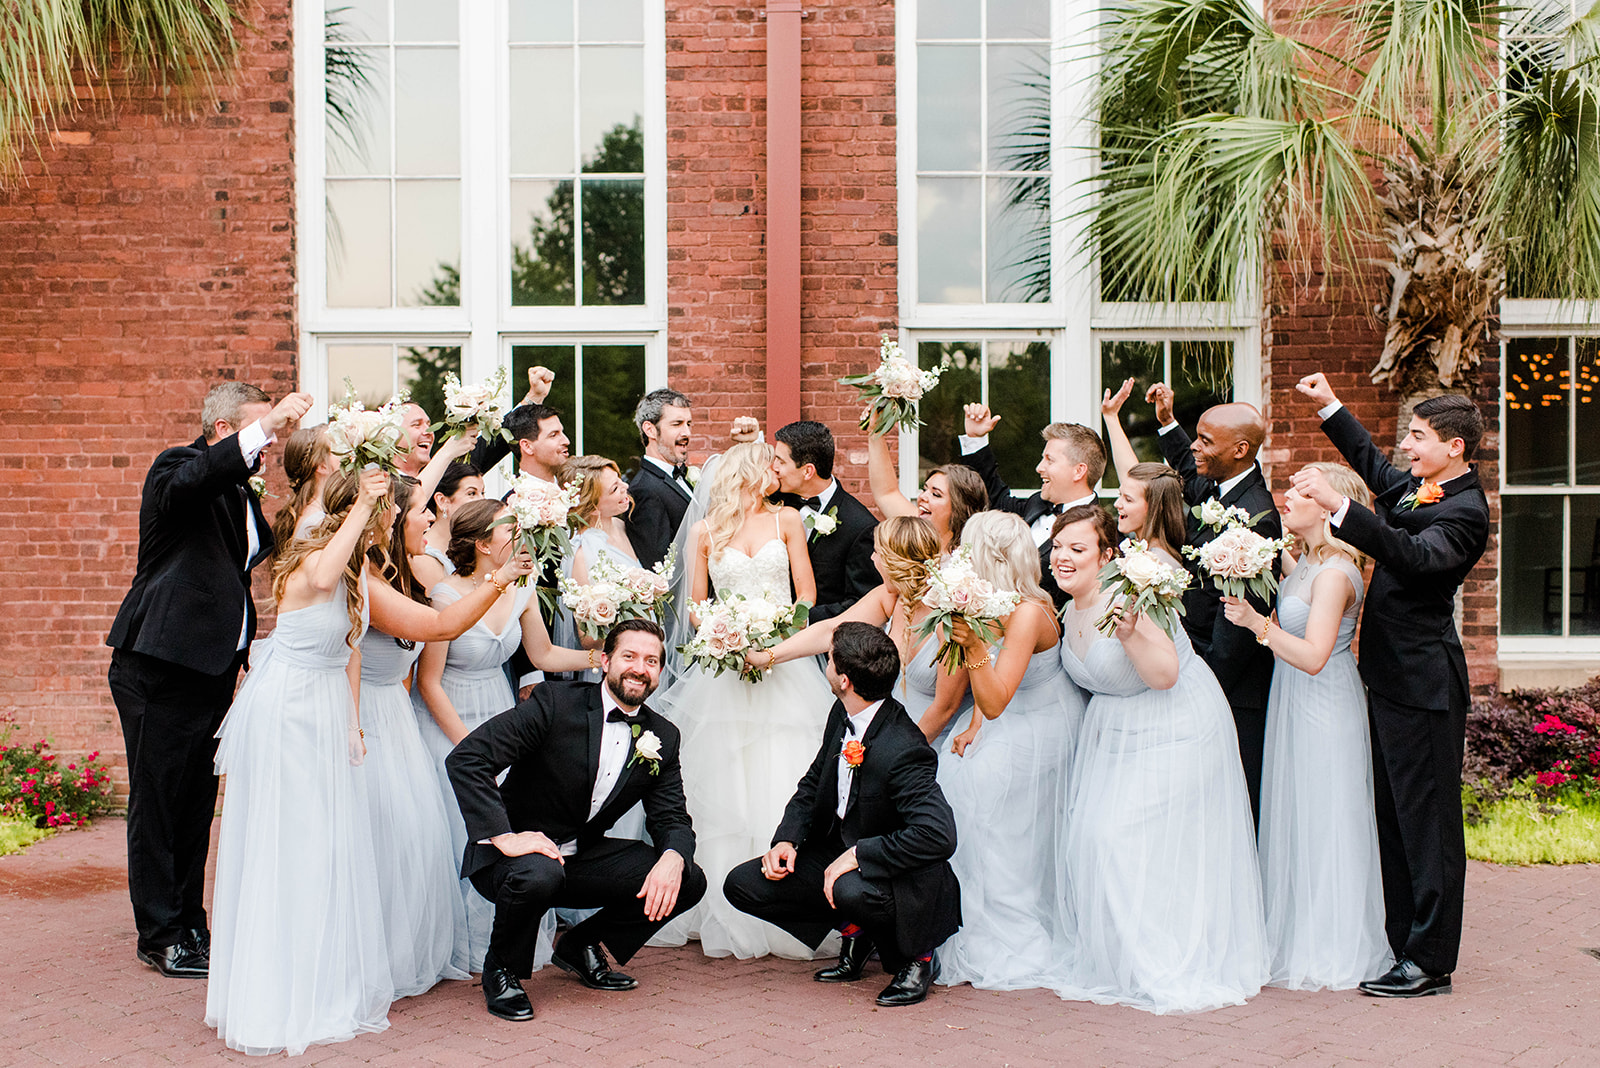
681 472
617 715
813 503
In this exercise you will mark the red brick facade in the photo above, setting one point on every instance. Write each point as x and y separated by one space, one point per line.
147 256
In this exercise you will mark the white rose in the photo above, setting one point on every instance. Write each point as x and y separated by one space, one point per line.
648 746
1213 513
1142 569
824 525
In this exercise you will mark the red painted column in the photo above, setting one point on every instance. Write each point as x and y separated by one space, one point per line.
783 212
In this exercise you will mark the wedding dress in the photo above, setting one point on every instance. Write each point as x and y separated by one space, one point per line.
297 944
1159 851
745 748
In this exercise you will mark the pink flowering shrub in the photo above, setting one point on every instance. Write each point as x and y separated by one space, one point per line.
35 784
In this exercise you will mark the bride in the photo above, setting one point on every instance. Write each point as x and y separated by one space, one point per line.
745 745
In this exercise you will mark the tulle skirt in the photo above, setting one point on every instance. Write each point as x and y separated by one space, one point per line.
298 950
745 748
1319 841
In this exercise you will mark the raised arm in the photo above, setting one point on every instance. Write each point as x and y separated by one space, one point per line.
324 569
451 450
883 480
1122 455
815 639
399 616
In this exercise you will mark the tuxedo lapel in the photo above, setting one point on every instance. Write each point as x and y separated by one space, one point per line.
597 723
828 788
1244 486
881 717
677 486
630 766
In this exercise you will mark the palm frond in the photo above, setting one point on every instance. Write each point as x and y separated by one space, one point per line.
40 45
163 42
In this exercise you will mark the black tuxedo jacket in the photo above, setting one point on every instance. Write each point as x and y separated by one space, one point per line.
1242 665
551 744
897 819
490 450
841 562
658 506
1030 508
1410 651
191 586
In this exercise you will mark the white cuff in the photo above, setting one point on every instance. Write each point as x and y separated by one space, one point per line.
972 445
532 678
1324 413
1167 428
1337 518
252 439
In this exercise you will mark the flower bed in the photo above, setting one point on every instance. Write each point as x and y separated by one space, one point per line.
38 787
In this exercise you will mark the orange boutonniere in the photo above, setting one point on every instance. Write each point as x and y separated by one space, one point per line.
1430 492
854 754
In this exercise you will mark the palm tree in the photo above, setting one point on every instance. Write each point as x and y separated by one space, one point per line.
177 45
1460 136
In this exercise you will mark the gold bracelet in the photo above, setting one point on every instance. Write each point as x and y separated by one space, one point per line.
988 658
498 588
1266 628
591 660
772 658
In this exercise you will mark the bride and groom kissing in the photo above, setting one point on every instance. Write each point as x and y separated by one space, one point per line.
863 846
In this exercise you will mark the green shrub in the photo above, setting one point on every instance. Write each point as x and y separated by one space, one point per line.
34 786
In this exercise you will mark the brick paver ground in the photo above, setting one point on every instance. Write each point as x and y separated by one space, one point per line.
1527 994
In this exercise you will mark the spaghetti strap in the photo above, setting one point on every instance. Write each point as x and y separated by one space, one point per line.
777 523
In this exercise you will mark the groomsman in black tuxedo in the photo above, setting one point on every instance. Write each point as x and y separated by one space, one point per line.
1429 530
660 489
178 642
839 527
579 755
541 446
864 846
1069 469
489 449
1220 464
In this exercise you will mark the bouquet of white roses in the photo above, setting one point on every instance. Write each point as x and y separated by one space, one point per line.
955 591
892 390
614 593
542 512
1142 582
478 405
735 625
358 436
1239 561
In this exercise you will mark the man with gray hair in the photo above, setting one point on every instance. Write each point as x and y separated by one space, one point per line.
178 643
661 488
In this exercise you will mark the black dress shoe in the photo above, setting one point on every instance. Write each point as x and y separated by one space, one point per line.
503 993
181 961
910 984
853 954
592 968
200 939
1406 980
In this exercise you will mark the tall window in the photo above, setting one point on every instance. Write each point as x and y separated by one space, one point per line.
480 185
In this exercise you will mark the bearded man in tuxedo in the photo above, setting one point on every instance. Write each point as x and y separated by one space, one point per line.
660 488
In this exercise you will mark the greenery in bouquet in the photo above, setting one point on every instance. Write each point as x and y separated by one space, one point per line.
954 592
615 593
1238 560
479 405
732 626
892 389
358 435
1140 581
36 787
542 514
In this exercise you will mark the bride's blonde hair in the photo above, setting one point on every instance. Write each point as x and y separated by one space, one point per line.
742 474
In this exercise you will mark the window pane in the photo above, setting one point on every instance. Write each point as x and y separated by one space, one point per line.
428 242
949 96
1530 565
1536 411
940 408
1019 108
613 382
422 371
357 110
949 250
1019 18
1202 377
370 369
541 111
1584 575
425 20
543 261
1018 249
541 20
611 20
1142 361
358 244
356 20
1588 436
563 393
613 241
427 111
611 95
1019 390
947 18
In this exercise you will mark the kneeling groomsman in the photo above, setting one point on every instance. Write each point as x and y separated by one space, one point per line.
865 843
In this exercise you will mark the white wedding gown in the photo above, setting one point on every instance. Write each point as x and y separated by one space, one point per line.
745 748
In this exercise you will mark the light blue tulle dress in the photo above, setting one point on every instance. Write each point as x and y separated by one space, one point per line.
919 678
1160 858
1319 840
297 941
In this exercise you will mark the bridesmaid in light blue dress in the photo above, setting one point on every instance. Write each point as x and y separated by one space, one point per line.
460 484
1319 839
603 501
1159 859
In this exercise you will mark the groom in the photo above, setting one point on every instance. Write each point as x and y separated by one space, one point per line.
580 756
838 527
865 843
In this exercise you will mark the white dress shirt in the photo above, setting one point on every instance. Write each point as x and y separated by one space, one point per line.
252 439
616 745
860 721
666 469
826 496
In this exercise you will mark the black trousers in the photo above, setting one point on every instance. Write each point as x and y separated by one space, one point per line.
170 716
796 902
1251 726
607 876
1416 763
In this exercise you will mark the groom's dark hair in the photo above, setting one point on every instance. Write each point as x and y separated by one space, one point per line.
809 443
648 626
866 656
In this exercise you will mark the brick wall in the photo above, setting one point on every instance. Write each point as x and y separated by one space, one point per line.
143 257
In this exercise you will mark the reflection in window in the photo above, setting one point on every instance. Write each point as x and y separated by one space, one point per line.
596 389
1199 372
380 370
1012 377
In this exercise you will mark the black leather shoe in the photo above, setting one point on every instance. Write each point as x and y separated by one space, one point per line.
200 939
853 954
910 984
592 968
1406 980
181 961
503 993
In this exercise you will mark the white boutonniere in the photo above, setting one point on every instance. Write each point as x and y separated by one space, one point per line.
1219 517
646 747
258 487
824 524
692 476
